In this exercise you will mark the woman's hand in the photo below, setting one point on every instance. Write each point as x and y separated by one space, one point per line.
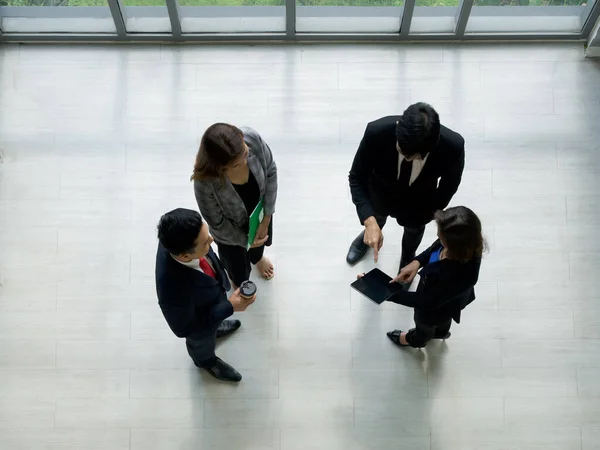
263 228
258 242
261 232
359 276
408 273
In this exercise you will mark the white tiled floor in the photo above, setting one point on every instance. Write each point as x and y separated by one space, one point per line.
98 142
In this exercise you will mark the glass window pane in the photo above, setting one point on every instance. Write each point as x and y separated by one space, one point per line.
56 16
434 16
232 16
529 16
348 16
146 16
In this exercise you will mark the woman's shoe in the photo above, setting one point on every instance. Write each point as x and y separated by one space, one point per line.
395 338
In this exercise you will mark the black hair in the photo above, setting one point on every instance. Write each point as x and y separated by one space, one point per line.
178 230
418 129
460 229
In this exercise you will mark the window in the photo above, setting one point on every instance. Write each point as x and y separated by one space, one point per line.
434 16
348 16
146 16
232 16
56 16
311 20
528 16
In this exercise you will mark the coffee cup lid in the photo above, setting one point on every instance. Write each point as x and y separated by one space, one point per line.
248 288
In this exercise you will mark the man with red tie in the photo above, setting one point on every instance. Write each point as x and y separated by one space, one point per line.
192 286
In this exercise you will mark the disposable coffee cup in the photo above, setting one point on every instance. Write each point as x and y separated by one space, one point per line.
247 290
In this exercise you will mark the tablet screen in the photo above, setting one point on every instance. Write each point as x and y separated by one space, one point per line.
376 286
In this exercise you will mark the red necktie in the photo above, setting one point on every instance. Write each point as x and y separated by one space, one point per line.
205 266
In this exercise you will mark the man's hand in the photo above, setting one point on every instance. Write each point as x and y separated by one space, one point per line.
408 273
373 236
239 303
263 228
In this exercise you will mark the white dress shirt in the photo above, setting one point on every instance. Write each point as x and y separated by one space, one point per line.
417 167
195 264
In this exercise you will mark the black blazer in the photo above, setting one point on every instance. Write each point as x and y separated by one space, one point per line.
446 287
190 300
374 173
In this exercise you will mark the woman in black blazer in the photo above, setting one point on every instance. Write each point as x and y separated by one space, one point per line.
449 272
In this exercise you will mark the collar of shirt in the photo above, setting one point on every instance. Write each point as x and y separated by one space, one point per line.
193 264
417 166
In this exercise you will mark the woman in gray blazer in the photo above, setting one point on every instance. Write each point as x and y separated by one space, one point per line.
234 170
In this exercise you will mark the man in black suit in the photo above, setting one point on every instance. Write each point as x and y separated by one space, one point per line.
406 167
191 285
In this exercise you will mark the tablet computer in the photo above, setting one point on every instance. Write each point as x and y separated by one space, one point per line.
375 285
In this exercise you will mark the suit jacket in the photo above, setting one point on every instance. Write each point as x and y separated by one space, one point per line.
190 300
222 207
446 287
374 173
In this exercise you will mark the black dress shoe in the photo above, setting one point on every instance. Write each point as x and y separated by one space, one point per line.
395 338
358 249
227 327
223 371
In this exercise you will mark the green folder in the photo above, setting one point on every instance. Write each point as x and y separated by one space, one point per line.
255 219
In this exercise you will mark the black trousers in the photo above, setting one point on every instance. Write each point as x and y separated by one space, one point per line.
421 334
411 239
201 346
237 260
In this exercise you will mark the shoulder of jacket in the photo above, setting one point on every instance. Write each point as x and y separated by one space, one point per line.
250 133
382 122
205 186
452 140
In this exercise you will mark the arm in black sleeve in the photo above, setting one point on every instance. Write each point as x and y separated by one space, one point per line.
184 320
405 298
181 319
424 257
450 180
217 313
428 297
360 173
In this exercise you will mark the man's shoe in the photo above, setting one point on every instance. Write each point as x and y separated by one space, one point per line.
227 327
358 249
223 371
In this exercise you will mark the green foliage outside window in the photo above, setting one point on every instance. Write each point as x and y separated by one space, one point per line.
299 2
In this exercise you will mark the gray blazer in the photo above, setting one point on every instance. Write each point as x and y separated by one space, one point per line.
220 204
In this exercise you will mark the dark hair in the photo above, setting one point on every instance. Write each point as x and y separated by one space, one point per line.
220 145
460 230
418 129
178 230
